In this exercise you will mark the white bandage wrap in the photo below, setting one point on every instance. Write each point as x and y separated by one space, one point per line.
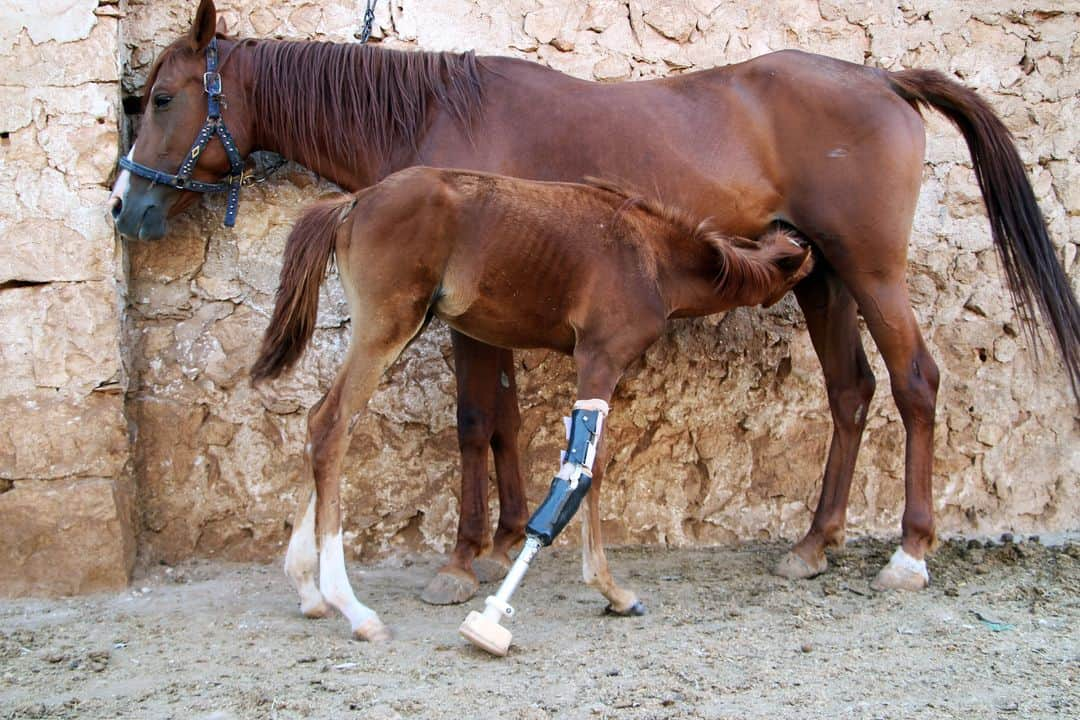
572 471
900 560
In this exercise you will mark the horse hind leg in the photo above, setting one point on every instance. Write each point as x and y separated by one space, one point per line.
834 330
302 558
913 376
374 347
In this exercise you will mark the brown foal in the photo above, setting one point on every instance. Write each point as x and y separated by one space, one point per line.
832 149
586 270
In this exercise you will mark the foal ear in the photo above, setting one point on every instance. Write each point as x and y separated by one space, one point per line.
202 27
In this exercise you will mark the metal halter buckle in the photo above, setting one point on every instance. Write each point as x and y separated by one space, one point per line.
211 82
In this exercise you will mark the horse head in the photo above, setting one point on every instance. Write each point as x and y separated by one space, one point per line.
167 167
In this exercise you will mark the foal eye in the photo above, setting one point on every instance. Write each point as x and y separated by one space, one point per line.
161 101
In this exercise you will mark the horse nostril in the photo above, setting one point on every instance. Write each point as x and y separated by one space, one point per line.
115 206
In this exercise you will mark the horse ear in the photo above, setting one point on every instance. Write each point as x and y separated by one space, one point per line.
222 29
202 28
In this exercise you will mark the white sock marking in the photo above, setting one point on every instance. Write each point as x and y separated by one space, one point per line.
334 583
302 560
900 560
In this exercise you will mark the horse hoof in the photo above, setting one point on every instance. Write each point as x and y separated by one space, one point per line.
373 631
491 568
795 567
902 573
316 610
635 610
449 588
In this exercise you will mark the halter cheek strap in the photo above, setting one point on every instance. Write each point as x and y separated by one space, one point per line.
214 125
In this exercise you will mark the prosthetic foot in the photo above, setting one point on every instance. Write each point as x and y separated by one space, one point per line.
568 489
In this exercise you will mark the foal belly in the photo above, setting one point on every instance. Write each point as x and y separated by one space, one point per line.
508 324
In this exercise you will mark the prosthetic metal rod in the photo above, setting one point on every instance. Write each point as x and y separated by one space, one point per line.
568 488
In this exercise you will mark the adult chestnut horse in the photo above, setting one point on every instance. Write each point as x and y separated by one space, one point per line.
591 272
832 149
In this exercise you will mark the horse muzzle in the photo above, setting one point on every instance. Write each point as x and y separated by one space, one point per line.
141 216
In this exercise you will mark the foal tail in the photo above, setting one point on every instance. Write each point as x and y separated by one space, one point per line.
1034 275
296 305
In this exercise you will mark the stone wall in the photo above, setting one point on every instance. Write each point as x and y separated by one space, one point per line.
65 486
721 430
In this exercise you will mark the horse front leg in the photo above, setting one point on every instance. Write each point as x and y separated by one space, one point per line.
849 381
476 367
492 564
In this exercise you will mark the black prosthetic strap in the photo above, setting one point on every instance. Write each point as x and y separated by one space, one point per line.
558 508
566 493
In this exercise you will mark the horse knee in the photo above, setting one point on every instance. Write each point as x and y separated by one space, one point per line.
916 391
474 428
850 403
505 431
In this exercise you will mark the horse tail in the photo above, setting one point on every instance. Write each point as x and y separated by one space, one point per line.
1034 275
307 254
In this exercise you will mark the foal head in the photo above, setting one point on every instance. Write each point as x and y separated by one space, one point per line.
758 272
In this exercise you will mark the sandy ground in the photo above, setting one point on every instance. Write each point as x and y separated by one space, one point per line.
997 636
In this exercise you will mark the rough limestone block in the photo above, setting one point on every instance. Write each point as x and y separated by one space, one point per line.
45 436
64 537
62 336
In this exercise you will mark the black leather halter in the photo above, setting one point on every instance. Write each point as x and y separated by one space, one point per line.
214 125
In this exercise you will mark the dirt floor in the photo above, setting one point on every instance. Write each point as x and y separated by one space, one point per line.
997 636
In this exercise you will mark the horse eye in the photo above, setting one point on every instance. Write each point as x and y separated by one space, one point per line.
161 101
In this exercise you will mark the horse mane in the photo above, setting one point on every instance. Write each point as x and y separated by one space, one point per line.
745 267
376 96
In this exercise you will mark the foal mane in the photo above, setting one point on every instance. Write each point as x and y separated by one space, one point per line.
333 95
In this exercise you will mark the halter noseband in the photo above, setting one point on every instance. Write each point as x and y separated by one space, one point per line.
214 125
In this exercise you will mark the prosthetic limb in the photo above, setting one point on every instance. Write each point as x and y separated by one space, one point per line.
568 489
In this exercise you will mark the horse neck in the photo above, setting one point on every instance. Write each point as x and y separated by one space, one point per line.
351 166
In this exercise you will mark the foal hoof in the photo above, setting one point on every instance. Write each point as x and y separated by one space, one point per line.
316 610
902 573
450 588
635 610
373 631
492 567
794 566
